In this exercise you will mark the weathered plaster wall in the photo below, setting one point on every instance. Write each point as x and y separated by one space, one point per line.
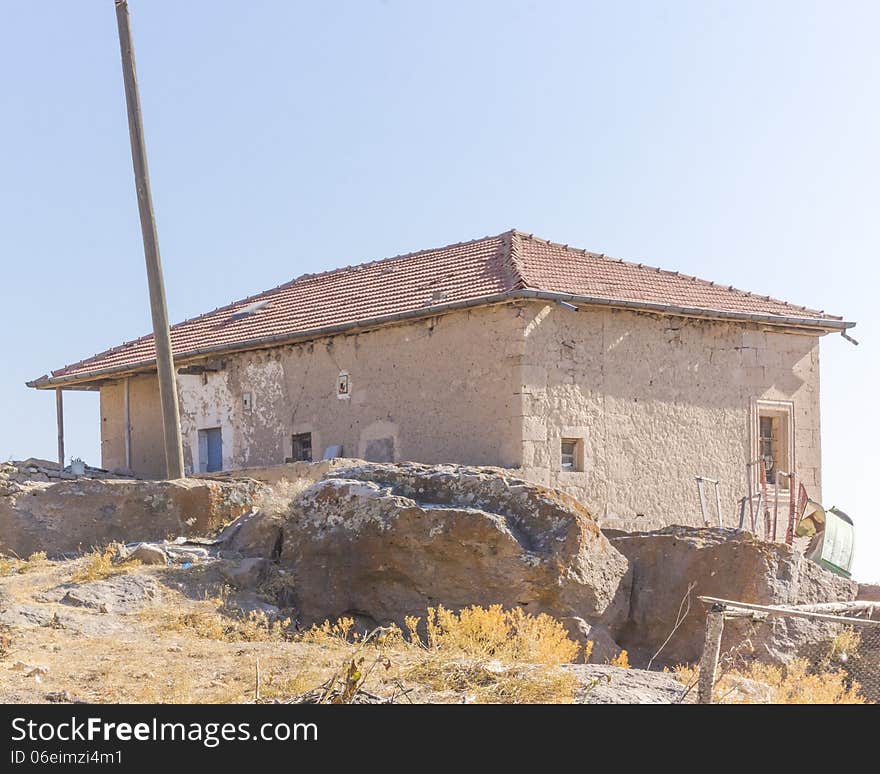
658 401
439 390
147 442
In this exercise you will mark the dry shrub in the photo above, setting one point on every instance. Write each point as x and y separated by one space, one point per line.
228 625
223 621
468 652
34 562
331 633
8 566
793 683
684 673
495 633
474 632
5 640
845 643
281 686
101 564
588 650
620 660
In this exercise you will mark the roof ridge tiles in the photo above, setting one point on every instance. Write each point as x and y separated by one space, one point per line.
510 241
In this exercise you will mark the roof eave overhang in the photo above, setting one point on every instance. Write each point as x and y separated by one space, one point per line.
816 326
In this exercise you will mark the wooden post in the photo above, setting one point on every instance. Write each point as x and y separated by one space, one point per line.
59 418
789 530
711 652
257 681
158 306
126 405
751 503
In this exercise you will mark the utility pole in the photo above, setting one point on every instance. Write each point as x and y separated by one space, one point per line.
158 307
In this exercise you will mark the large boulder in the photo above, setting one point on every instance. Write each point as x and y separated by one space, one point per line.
71 516
726 564
389 540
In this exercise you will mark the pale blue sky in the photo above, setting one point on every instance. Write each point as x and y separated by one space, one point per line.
737 141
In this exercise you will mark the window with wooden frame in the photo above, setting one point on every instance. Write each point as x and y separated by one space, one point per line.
773 440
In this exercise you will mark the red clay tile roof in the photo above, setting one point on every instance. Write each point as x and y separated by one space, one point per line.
488 269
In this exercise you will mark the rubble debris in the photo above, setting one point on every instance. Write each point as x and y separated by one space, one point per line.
180 551
21 475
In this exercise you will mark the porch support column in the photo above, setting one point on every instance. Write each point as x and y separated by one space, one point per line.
127 420
59 418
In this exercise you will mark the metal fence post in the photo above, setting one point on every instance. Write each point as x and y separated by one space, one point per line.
711 652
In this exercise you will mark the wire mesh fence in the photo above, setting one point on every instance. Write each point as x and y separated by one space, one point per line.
809 654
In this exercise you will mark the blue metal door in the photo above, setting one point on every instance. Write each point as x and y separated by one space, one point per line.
215 449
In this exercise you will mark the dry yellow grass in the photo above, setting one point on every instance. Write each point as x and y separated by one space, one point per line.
224 625
847 641
495 633
620 660
8 565
490 655
326 633
494 682
794 683
35 561
102 564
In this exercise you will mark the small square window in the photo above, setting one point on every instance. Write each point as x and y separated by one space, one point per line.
343 385
302 447
571 454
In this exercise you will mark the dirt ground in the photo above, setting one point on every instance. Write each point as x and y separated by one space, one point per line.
81 630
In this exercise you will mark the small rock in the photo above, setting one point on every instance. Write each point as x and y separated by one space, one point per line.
148 553
59 697
603 649
123 594
248 573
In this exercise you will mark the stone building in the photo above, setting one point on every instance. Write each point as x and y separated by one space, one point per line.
614 381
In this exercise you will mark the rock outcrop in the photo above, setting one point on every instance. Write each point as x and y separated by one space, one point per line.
727 564
122 594
26 475
869 592
71 516
604 684
389 540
